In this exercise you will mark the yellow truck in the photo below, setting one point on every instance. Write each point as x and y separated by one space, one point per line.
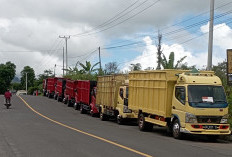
184 102
112 97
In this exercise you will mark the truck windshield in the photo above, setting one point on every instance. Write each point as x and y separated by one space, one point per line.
206 96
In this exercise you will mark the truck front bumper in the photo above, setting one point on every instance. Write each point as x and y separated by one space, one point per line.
207 129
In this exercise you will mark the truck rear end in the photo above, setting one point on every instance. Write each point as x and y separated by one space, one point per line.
51 83
112 97
69 92
85 97
59 90
44 87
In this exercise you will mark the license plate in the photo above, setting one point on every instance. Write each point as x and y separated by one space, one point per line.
210 127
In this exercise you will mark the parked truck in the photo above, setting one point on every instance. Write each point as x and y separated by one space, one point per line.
69 92
51 84
44 87
59 89
184 102
85 97
112 97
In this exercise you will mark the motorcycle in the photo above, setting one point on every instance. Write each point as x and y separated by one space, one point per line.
7 104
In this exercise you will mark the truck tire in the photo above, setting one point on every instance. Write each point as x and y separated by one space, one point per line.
69 103
176 129
76 106
143 125
103 116
82 110
120 120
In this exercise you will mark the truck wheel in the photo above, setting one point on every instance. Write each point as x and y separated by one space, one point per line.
82 110
75 106
103 116
176 130
91 113
65 101
143 125
70 103
119 120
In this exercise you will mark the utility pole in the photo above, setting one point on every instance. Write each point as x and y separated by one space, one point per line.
66 44
210 46
55 70
100 58
26 82
63 61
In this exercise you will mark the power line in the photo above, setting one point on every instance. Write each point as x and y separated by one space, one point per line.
109 20
168 27
122 20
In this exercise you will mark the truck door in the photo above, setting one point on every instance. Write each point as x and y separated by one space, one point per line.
178 104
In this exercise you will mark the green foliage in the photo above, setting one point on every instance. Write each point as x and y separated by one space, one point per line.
7 74
169 64
136 67
220 71
31 90
16 86
27 70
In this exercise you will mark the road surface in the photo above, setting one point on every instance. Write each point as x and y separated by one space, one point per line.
42 127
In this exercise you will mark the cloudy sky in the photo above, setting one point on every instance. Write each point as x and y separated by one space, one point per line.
126 31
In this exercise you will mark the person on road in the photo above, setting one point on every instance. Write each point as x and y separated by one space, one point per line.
7 95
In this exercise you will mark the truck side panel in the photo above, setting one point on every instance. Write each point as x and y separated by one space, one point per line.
106 89
151 91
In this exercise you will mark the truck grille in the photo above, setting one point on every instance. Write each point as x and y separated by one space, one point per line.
209 119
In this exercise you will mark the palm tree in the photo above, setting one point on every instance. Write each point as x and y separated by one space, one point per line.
135 67
170 63
88 68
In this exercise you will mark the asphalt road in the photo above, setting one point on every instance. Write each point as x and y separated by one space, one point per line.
54 130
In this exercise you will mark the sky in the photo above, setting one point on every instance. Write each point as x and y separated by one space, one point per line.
125 31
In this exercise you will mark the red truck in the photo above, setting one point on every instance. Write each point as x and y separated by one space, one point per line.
45 87
85 97
59 89
51 83
69 92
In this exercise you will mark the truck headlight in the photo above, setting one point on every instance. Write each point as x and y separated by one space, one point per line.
190 118
224 119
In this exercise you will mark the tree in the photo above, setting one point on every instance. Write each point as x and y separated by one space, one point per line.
170 63
27 70
111 68
135 67
7 74
88 68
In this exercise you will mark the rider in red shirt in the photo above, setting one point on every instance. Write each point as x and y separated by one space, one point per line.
7 96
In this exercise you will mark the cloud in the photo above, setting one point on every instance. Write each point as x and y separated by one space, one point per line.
35 25
222 41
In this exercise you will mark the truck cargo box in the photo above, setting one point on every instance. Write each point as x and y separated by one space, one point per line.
151 91
84 89
106 89
71 86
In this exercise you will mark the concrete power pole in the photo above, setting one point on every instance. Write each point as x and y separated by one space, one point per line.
100 58
66 44
26 82
210 46
63 61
